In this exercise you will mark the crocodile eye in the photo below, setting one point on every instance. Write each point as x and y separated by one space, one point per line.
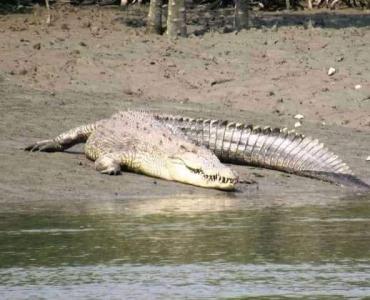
194 170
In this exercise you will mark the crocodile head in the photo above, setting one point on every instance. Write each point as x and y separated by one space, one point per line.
142 144
201 170
199 167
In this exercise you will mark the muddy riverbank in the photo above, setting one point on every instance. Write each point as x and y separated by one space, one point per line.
89 64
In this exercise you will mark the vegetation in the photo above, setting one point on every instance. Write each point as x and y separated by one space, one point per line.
176 14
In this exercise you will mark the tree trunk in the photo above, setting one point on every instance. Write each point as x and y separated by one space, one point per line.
48 18
287 4
155 17
241 14
309 4
176 19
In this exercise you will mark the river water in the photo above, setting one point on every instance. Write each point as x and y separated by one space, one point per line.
188 248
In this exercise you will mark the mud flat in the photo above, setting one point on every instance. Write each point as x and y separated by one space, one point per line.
89 64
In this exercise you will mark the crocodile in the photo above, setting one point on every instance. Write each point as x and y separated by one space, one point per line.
194 151
136 141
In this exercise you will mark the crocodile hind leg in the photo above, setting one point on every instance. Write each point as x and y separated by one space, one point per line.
108 164
65 140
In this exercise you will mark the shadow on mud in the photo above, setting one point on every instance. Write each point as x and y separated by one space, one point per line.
9 8
322 19
202 19
222 20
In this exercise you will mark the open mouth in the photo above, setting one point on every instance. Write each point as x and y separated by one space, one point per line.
215 177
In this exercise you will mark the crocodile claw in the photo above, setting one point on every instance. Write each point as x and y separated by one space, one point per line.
44 146
111 171
106 164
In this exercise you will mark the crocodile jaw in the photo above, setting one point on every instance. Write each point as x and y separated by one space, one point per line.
217 177
222 177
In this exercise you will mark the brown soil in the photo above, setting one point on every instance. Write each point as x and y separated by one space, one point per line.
89 63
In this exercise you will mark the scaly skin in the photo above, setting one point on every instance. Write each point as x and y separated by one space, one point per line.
277 149
139 143
186 150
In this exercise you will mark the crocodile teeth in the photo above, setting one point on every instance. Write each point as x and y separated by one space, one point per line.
220 179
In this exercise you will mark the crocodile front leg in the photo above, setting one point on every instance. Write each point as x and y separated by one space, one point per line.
65 140
108 164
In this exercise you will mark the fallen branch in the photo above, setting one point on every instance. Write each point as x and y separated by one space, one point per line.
220 81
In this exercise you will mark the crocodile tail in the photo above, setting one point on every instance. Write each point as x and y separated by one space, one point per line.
272 148
338 178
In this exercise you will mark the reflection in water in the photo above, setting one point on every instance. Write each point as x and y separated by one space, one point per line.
190 281
168 248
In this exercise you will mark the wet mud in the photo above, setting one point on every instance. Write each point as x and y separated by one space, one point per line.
89 64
